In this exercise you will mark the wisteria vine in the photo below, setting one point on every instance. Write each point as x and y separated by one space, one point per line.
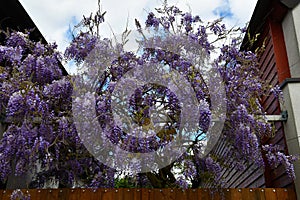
40 137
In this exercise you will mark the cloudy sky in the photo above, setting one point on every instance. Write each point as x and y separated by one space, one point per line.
55 17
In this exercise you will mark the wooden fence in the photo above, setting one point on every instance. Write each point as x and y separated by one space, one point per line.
155 194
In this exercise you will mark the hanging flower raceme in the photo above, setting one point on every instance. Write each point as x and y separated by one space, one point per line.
80 47
276 157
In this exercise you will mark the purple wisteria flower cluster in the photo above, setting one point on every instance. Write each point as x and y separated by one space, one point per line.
40 136
19 195
275 156
244 124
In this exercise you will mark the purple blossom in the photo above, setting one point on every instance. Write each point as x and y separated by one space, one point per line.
39 49
11 54
188 18
152 20
213 166
182 183
80 47
17 39
216 29
16 107
190 171
275 158
197 19
19 195
277 92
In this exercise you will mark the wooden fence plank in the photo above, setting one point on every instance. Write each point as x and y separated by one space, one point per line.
6 194
292 194
192 194
85 194
236 194
282 194
162 194
158 194
181 194
96 194
215 194
53 194
227 194
172 194
203 194
151 194
74 194
137 194
107 194
145 194
62 194
248 194
261 193
34 194
270 194
118 194
128 194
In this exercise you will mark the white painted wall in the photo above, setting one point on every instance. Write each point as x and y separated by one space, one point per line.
291 30
291 91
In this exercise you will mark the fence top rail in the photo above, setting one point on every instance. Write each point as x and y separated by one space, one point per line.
157 194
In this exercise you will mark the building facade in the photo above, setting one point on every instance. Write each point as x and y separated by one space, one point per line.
291 85
278 23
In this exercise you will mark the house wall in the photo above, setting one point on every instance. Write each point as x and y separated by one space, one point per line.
291 89
291 30
271 66
292 126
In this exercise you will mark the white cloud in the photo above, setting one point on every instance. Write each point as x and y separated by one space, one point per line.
54 17
242 9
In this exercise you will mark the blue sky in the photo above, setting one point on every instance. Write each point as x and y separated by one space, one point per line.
54 18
